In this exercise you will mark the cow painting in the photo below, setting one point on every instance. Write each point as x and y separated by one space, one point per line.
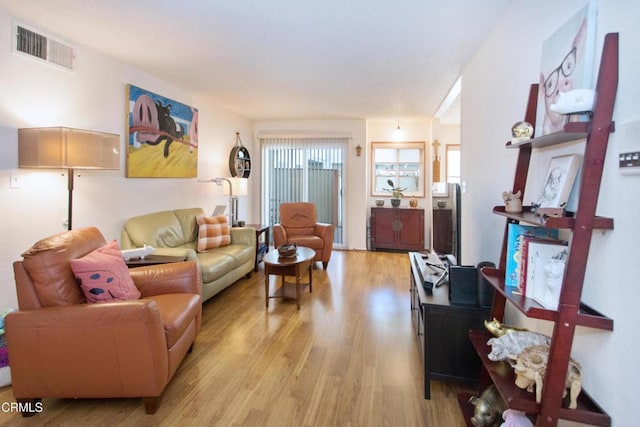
155 121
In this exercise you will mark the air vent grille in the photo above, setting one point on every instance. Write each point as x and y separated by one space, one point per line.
60 54
36 45
31 43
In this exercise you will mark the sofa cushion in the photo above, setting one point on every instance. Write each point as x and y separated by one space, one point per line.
104 276
240 253
177 311
187 219
159 229
301 231
298 214
313 242
213 232
48 264
215 264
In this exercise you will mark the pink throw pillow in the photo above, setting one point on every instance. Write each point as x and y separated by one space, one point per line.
104 276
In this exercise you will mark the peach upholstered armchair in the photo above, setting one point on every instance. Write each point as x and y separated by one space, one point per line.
298 224
61 346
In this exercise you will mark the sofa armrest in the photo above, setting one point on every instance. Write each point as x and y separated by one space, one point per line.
170 278
279 235
325 232
99 315
243 236
187 253
62 345
125 240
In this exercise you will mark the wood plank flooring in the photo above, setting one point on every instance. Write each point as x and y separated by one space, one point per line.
348 358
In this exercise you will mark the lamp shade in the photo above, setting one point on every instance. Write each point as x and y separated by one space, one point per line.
239 187
66 148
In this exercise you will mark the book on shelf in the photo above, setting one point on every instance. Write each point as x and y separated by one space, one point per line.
515 235
522 270
543 263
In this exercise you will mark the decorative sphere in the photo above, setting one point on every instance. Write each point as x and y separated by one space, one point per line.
522 130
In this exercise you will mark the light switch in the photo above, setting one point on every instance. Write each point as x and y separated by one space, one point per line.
15 180
629 163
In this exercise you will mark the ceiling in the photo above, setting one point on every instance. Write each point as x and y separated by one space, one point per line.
284 59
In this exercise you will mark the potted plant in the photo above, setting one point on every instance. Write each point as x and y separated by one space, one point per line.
396 193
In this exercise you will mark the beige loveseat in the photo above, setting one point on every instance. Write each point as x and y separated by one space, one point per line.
176 233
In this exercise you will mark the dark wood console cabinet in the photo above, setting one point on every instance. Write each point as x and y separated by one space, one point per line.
442 331
397 228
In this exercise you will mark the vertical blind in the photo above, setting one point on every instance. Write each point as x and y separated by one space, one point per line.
309 169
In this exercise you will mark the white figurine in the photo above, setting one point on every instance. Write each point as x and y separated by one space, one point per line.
512 202
509 346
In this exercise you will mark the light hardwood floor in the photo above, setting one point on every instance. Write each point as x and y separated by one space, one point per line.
348 358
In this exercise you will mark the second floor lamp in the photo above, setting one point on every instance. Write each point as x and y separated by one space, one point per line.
70 149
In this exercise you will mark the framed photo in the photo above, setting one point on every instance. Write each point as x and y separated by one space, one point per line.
544 271
567 64
162 136
558 181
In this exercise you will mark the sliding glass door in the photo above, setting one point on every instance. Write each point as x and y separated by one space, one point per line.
305 170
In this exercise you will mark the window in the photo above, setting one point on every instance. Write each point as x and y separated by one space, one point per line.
452 163
402 163
305 169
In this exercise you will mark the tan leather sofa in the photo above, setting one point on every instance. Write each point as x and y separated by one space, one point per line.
62 347
298 224
176 233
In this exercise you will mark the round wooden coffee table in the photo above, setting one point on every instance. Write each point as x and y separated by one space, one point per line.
295 266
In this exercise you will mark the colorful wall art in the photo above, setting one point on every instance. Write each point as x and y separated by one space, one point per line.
163 136
567 65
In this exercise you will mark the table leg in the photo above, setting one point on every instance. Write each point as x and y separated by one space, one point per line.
298 288
266 287
310 277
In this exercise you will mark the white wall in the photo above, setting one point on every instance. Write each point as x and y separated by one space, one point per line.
92 97
355 193
493 98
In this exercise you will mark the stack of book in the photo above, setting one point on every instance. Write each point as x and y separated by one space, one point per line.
535 263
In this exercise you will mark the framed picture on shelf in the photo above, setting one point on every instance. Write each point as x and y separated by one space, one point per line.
545 263
567 64
558 181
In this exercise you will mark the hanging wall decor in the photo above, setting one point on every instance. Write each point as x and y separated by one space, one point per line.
163 136
568 57
239 160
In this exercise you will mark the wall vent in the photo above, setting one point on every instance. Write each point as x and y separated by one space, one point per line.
36 45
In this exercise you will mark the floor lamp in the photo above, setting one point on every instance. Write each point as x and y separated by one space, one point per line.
70 149
237 187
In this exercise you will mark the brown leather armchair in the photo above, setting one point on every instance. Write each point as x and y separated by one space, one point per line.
62 347
298 224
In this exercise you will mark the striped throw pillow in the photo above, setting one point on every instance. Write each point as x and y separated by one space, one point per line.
213 232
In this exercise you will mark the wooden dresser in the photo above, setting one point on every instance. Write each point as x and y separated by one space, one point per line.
397 228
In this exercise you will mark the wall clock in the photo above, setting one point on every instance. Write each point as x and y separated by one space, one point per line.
239 160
